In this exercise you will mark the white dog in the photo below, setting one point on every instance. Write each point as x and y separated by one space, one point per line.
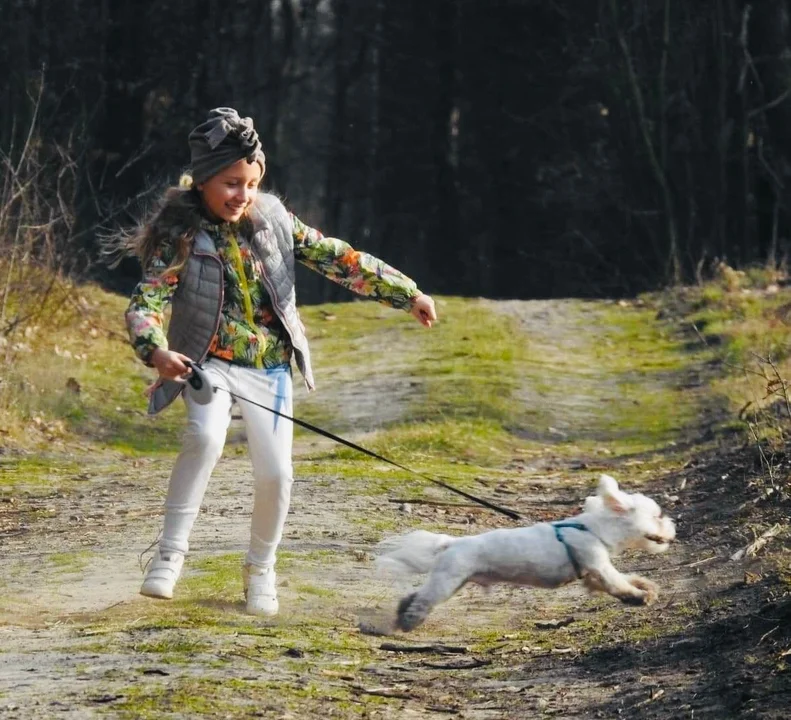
545 555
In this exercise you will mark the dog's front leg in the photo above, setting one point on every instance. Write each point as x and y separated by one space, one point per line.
629 589
650 588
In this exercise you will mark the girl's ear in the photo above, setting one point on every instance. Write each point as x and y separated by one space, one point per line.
612 496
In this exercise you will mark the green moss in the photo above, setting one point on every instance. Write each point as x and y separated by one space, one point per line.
114 411
82 379
210 599
187 698
36 471
308 589
471 366
741 326
454 448
649 631
172 644
71 562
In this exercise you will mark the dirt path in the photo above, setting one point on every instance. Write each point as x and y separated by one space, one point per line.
77 641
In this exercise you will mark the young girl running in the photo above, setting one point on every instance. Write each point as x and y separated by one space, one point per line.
221 253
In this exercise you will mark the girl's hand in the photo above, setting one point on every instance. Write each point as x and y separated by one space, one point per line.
170 365
423 309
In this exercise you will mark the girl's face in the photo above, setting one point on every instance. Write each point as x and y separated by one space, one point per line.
230 192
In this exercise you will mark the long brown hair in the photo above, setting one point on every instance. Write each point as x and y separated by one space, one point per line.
173 222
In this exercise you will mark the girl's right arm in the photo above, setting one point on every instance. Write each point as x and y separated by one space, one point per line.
145 314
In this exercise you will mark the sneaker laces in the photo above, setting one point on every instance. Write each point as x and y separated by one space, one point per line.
143 567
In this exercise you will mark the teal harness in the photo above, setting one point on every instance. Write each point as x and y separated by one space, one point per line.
573 526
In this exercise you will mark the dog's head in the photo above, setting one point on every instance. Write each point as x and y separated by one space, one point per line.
629 520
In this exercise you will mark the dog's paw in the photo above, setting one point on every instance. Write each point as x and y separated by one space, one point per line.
650 590
636 600
409 615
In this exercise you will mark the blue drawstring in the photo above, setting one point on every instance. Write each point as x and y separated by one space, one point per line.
280 372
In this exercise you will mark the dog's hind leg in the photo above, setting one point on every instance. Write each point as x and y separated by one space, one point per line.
629 589
444 582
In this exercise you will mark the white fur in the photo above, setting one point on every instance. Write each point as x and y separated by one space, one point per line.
415 552
533 555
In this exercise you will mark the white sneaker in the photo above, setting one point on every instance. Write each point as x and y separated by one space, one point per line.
259 590
163 572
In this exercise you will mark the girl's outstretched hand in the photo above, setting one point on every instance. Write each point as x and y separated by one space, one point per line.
423 309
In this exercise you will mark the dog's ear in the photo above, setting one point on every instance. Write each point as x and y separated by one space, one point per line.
612 496
593 504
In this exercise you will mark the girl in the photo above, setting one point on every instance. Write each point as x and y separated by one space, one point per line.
222 254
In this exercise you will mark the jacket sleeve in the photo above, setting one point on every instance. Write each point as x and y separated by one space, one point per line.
357 271
145 314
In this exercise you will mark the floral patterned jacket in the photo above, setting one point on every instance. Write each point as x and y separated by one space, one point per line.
264 342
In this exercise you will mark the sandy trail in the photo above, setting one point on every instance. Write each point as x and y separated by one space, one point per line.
77 641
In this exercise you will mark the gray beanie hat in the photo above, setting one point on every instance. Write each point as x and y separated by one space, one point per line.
221 140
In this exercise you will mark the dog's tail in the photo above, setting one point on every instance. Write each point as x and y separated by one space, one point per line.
413 553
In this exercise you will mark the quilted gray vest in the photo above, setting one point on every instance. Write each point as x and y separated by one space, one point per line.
197 302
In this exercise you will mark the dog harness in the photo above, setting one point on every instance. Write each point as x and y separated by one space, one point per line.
574 526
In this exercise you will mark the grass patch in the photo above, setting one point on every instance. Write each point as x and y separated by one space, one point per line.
633 383
173 644
309 589
210 598
743 319
465 380
471 365
35 471
79 377
740 326
453 447
71 562
232 697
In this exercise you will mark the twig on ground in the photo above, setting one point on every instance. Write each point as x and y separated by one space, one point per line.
655 695
443 709
765 461
457 665
750 549
701 562
436 648
391 692
438 503
114 605
766 635
241 655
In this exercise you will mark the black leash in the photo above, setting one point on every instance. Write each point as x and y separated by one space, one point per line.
196 381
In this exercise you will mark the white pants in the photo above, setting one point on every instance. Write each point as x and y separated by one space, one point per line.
269 440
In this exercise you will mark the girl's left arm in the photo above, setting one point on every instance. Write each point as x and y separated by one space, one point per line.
357 271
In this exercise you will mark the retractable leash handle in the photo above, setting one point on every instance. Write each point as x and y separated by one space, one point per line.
202 391
200 388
